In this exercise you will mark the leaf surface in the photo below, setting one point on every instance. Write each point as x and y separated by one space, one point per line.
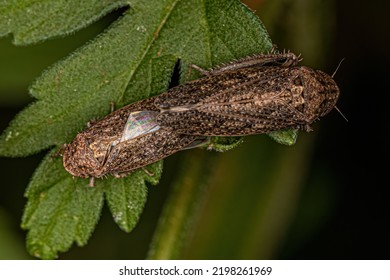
33 21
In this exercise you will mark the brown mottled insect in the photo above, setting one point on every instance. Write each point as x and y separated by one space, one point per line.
254 95
124 140
251 96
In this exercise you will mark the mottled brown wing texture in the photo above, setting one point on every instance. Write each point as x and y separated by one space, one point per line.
139 152
98 150
241 102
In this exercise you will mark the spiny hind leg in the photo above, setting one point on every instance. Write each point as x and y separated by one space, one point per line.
285 59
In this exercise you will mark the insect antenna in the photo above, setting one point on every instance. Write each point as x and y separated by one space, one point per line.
338 110
334 73
337 68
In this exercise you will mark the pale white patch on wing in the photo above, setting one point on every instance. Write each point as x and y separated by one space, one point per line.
140 123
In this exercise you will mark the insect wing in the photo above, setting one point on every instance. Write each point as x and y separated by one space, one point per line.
148 148
213 124
240 102
140 123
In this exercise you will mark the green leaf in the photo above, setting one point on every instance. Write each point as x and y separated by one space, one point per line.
33 21
60 210
286 137
223 144
126 197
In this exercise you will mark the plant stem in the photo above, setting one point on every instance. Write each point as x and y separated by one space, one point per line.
181 211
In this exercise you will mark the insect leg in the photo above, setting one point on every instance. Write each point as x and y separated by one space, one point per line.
92 181
198 143
121 174
60 152
200 70
112 106
150 174
287 59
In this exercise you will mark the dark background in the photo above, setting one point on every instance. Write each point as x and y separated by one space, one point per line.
340 209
